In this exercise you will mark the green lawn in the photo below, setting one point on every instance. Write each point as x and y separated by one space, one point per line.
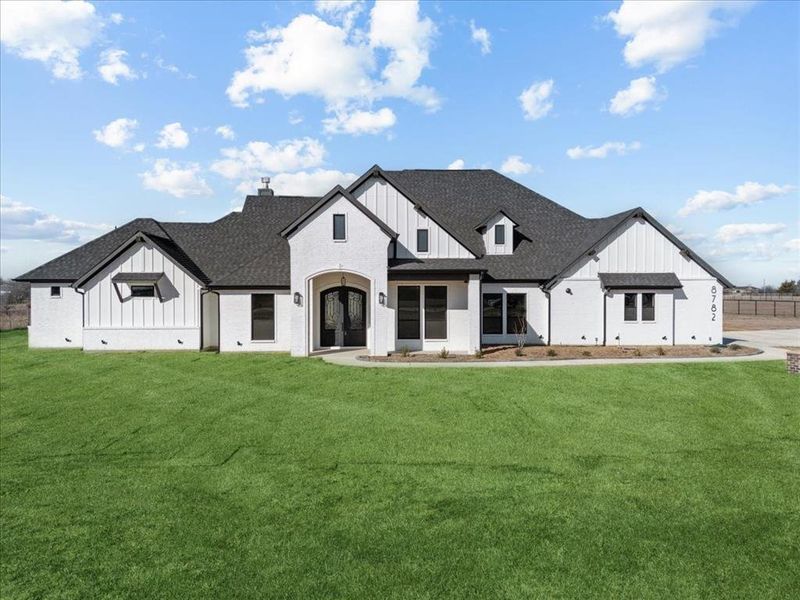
181 475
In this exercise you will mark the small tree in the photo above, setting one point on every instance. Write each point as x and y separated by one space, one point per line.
788 287
520 334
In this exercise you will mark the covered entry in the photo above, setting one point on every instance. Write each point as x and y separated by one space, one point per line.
343 317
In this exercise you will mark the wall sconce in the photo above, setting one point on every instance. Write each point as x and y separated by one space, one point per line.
382 299
343 281
298 299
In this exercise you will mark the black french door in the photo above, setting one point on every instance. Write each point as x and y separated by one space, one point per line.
343 317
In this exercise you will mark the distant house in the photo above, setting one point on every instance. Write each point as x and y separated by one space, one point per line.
746 290
423 259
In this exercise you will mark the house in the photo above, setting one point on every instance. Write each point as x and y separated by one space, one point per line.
422 259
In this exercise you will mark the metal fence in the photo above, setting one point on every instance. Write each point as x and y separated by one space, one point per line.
764 307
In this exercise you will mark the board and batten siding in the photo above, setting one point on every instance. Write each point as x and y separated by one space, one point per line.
398 212
180 308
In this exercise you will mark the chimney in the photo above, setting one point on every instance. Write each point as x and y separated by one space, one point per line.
265 191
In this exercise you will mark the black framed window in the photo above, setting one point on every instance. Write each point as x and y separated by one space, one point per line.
339 227
436 312
648 307
499 234
262 314
408 312
422 240
55 291
143 291
516 314
630 307
493 313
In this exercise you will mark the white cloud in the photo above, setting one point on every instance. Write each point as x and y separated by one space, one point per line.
138 148
117 133
22 222
117 18
618 148
456 165
736 231
514 165
793 244
480 36
360 121
170 68
684 235
112 66
261 158
667 33
535 100
174 178
343 11
225 132
53 33
747 194
635 98
302 183
349 70
295 118
173 136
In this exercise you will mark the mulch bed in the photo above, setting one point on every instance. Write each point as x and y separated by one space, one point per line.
509 353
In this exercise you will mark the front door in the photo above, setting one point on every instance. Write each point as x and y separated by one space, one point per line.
343 317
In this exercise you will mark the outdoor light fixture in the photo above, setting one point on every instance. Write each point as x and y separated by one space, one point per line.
569 291
382 299
298 299
344 281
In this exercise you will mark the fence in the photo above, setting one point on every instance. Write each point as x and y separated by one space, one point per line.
761 307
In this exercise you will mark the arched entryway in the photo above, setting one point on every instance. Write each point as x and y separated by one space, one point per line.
343 317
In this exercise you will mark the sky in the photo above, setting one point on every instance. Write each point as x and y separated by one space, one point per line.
116 110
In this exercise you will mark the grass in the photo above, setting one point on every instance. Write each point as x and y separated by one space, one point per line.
182 475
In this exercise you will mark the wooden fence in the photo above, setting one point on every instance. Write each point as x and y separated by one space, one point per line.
761 307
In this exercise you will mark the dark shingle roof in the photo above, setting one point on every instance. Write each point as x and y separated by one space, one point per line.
247 250
632 281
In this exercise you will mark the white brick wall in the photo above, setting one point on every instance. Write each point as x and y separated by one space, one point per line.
55 322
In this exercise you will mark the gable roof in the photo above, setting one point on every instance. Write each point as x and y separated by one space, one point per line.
250 249
325 201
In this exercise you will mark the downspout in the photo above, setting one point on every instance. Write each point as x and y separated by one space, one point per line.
605 318
83 312
549 308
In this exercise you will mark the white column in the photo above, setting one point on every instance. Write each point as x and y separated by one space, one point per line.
474 310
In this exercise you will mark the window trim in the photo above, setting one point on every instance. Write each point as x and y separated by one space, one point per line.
500 228
635 318
524 295
344 218
274 318
639 296
641 318
420 308
427 240
502 312
423 299
58 295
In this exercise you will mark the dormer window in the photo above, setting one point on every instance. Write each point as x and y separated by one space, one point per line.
339 228
499 234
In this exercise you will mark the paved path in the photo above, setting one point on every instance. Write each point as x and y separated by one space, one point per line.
767 341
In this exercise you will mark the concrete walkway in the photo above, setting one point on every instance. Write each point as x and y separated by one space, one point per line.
767 341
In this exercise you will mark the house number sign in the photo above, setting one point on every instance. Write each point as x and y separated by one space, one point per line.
713 303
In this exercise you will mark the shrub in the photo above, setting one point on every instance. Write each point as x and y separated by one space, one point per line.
518 351
586 353
551 352
660 351
735 347
715 349
405 351
478 353
444 353
637 352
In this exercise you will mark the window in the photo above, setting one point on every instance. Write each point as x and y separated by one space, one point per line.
493 313
408 312
422 240
262 311
630 307
648 307
339 228
436 312
499 234
55 291
516 317
143 291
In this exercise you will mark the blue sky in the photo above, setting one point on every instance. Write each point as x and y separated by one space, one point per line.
112 111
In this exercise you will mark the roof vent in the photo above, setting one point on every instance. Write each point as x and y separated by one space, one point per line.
265 191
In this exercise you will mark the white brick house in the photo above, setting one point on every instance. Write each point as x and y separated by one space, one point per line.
421 259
